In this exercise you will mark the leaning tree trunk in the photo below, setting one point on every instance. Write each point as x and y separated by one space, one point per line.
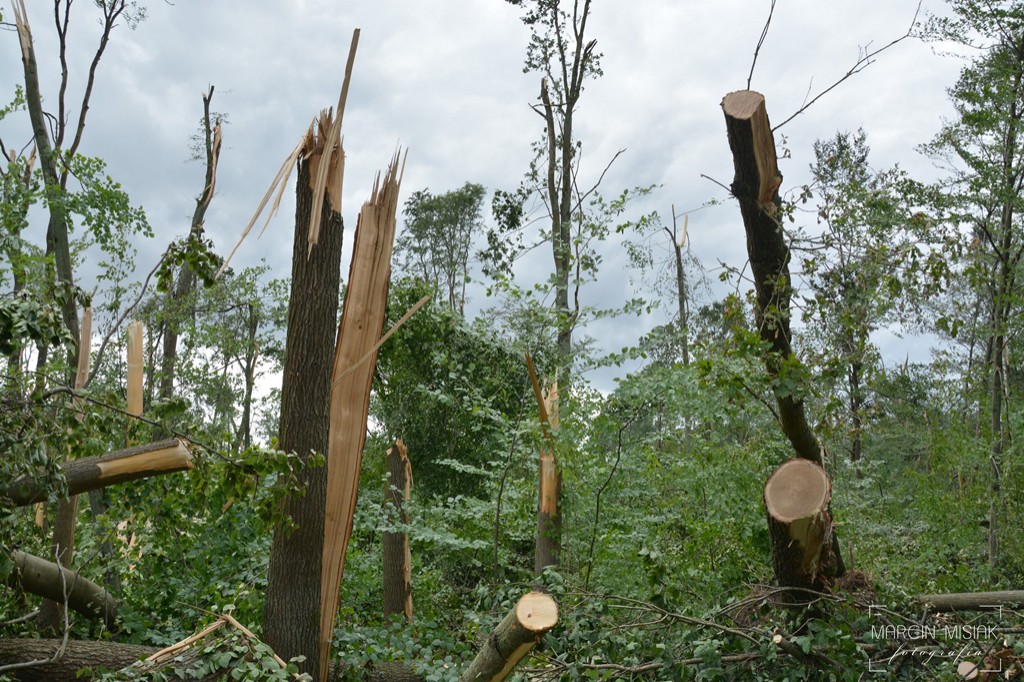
292 606
756 188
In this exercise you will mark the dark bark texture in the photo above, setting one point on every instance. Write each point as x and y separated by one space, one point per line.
292 608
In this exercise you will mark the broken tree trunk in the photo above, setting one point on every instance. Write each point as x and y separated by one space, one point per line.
355 360
549 521
972 601
756 188
119 466
63 543
397 556
534 614
293 576
796 501
48 580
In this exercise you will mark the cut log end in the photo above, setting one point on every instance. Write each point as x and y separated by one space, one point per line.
743 104
537 612
796 499
799 489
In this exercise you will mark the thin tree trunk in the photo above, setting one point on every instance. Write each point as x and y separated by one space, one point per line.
397 556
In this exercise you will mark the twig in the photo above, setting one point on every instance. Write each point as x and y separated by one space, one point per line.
865 60
760 42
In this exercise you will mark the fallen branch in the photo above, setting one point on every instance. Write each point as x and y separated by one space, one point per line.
972 601
119 466
46 579
37 657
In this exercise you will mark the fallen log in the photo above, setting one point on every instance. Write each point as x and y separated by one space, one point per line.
48 580
534 614
119 466
77 655
971 601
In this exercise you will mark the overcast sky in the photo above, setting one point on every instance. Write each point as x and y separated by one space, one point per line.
444 78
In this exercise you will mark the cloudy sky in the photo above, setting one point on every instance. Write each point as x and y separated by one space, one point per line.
444 79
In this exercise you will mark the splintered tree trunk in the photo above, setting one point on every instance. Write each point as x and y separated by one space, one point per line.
534 614
293 578
397 557
796 500
756 188
549 521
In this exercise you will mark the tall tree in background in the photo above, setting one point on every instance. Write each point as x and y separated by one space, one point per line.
56 154
439 230
854 265
984 141
559 51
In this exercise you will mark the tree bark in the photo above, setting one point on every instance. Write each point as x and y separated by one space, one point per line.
534 614
292 607
756 188
796 500
77 655
397 556
119 466
50 581
972 601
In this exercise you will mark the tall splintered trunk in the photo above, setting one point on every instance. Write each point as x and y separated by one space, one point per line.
292 603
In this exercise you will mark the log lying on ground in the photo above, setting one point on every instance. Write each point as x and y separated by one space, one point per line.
972 601
45 579
534 614
77 655
119 466
796 501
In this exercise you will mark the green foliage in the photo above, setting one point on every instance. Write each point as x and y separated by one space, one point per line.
227 653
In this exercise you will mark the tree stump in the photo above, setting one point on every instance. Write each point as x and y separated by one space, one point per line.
796 500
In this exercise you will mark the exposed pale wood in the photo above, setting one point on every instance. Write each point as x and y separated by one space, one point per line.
757 170
362 321
328 171
549 523
119 466
136 334
46 579
972 601
755 186
534 614
796 499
